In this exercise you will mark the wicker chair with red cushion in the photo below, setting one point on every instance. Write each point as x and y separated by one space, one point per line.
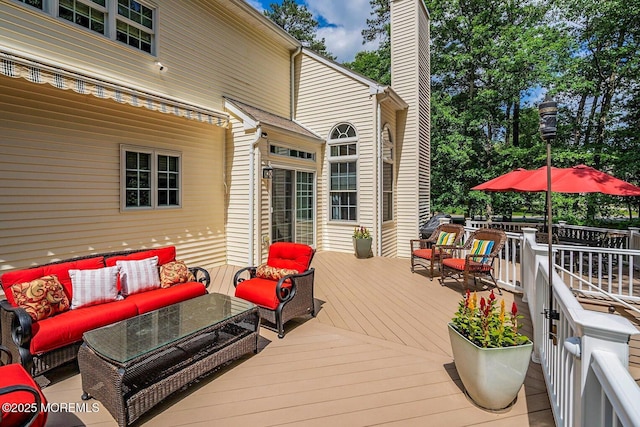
480 251
20 397
283 287
426 252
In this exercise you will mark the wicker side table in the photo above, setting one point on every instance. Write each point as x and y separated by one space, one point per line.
130 367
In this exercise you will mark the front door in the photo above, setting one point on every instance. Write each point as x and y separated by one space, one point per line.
292 206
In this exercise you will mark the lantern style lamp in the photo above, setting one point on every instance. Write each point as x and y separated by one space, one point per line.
267 172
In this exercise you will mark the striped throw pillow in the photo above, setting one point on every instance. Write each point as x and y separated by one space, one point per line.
446 238
138 276
481 247
93 286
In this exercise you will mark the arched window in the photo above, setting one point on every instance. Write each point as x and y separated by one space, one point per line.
343 173
388 162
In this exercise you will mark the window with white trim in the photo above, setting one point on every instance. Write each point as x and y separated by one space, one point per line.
150 178
127 21
343 173
387 174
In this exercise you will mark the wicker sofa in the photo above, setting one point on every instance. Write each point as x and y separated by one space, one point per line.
42 342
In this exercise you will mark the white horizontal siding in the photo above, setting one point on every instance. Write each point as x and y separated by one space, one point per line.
326 97
410 79
208 51
60 175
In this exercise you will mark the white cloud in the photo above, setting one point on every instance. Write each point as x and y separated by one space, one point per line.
257 4
345 20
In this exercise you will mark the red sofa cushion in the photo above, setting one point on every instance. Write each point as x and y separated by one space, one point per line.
68 327
165 255
15 374
459 264
261 292
292 256
61 270
158 298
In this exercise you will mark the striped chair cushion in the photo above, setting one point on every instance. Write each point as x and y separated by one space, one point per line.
481 247
445 238
94 286
138 276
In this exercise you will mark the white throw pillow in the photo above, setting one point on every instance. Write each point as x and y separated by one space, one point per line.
138 276
94 286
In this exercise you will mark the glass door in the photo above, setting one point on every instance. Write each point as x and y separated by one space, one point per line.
292 206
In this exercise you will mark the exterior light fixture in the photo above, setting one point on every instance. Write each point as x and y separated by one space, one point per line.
267 172
161 67
548 111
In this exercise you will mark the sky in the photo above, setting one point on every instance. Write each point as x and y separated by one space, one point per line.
340 24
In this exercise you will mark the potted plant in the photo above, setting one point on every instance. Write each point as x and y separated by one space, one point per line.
490 354
362 242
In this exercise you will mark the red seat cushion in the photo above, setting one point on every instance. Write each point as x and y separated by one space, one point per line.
15 374
428 253
68 327
61 270
292 256
259 291
459 264
158 298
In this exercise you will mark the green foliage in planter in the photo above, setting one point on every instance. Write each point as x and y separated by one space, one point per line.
486 324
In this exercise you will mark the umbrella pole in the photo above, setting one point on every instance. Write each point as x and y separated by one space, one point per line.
548 111
550 312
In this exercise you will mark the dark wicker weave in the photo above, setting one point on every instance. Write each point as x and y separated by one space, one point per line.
15 326
438 251
477 265
131 389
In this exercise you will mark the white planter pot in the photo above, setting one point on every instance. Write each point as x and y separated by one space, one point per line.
492 377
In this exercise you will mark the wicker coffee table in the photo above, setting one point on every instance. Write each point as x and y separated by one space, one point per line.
134 364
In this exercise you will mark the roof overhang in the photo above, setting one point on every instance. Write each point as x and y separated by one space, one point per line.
254 117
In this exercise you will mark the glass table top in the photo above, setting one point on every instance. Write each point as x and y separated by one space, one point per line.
139 335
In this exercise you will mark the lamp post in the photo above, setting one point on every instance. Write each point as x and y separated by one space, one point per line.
548 111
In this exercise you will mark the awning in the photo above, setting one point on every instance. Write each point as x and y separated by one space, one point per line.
39 72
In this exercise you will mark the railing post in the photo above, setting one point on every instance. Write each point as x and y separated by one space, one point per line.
530 253
597 331
634 243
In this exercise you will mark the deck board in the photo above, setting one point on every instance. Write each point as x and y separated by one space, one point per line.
377 353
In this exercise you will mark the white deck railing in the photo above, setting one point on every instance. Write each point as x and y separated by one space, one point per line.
585 359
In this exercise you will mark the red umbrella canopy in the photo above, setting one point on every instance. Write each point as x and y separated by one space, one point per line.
508 182
578 179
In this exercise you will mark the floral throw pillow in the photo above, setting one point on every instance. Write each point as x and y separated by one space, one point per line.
173 273
41 298
265 271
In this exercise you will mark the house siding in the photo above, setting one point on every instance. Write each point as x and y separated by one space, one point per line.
409 74
324 98
208 51
60 174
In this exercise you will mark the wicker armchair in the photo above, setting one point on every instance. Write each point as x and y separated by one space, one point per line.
477 262
283 287
18 390
425 252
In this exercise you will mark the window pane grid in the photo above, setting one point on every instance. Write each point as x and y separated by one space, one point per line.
34 3
168 181
138 179
82 14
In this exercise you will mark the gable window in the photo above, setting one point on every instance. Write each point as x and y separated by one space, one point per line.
127 21
387 174
343 173
150 178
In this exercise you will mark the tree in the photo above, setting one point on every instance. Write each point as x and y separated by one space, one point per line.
376 64
296 20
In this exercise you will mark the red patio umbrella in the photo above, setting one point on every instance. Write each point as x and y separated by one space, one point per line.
576 179
506 182
585 179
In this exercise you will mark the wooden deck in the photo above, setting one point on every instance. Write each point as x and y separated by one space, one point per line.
377 353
